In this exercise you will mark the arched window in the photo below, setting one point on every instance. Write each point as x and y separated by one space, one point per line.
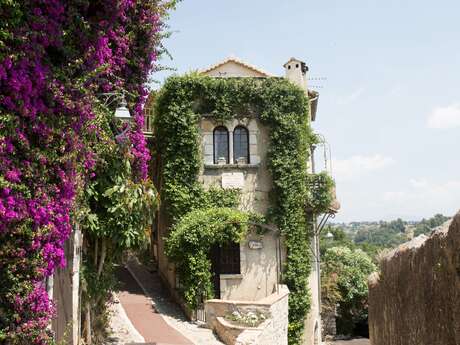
221 145
241 145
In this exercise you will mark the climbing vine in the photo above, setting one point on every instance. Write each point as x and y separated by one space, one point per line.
283 108
319 196
191 240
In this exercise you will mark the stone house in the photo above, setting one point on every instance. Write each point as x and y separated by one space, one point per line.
246 274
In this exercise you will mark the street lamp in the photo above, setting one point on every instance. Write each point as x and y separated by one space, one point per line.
329 236
122 112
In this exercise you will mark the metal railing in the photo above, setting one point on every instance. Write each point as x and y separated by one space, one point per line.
148 126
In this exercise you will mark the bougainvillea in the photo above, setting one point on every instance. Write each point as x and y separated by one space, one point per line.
57 58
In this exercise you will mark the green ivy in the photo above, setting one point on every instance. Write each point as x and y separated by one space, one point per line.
283 108
191 240
319 196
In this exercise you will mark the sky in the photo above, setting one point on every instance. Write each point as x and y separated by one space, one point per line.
389 105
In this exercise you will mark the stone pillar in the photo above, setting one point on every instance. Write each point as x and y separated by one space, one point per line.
208 148
76 301
230 147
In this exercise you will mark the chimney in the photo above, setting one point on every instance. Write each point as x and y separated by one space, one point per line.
296 72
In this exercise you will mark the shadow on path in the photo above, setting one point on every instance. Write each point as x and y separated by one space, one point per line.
164 305
143 315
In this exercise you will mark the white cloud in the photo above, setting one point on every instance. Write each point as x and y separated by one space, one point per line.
396 90
445 117
418 183
356 166
394 196
354 96
422 196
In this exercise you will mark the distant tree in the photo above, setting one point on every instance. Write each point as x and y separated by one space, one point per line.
344 283
427 225
339 238
397 225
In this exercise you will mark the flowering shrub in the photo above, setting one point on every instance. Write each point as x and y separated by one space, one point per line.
247 318
56 58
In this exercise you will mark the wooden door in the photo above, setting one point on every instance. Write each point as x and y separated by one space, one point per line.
215 269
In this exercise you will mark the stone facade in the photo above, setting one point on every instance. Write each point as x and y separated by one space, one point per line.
261 266
273 331
312 330
415 300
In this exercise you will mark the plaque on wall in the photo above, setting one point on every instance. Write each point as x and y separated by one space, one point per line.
255 244
233 180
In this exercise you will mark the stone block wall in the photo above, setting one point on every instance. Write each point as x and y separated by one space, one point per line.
415 300
273 331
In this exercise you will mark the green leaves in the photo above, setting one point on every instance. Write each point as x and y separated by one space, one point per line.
344 274
190 241
120 207
319 195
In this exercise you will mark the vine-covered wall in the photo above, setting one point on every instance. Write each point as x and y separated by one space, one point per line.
284 109
56 58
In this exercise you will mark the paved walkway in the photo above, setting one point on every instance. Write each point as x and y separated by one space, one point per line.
122 331
172 314
144 317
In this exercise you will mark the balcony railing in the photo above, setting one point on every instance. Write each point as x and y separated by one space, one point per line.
321 195
148 126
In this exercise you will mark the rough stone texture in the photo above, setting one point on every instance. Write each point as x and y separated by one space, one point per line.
416 298
273 331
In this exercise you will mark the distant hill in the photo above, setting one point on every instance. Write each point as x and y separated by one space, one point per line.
376 236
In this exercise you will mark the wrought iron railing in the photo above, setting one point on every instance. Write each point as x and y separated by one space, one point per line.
148 126
321 194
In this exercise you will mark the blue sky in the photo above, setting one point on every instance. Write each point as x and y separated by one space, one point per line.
390 107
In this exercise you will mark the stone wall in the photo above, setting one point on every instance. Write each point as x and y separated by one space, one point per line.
273 331
260 268
415 300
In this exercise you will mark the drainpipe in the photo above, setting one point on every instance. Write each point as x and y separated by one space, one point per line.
318 280
317 255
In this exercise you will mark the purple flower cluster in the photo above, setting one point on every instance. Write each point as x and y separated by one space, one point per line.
47 131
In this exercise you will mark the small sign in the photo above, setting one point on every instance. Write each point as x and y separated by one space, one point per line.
233 180
255 245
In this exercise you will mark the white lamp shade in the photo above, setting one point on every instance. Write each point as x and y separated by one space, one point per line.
122 113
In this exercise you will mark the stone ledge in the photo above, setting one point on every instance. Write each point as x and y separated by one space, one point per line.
272 331
230 325
264 302
231 276
231 166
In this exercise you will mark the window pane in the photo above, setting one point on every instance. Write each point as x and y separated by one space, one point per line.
230 258
241 144
220 144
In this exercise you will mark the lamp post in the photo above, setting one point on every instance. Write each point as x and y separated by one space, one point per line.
122 112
